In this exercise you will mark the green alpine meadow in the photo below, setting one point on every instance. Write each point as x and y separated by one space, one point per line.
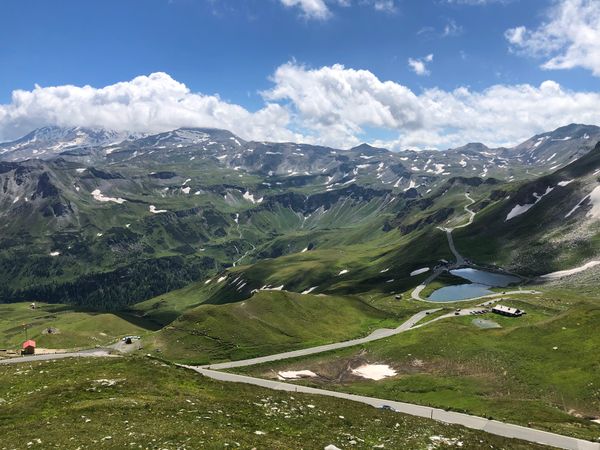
300 225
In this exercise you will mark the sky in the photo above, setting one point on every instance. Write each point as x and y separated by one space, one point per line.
393 73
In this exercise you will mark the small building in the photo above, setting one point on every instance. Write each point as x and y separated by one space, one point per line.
28 347
507 311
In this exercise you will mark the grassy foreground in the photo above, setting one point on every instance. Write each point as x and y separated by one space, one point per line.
541 370
122 403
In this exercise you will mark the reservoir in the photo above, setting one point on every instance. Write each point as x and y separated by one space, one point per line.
479 285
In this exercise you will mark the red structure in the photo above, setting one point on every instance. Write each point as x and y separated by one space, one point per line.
28 348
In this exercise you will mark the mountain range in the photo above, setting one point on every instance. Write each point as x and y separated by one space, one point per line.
107 219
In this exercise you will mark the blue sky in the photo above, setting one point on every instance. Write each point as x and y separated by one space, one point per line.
234 48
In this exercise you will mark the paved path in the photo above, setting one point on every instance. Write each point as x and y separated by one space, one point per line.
474 422
460 260
374 336
55 356
416 293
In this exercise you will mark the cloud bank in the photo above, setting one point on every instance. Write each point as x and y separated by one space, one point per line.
331 105
151 103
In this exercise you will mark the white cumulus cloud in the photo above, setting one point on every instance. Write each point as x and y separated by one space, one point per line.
419 65
312 9
151 103
569 38
321 9
330 105
337 105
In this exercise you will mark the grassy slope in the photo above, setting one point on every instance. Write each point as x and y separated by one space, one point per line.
396 254
68 405
76 329
512 373
269 322
543 239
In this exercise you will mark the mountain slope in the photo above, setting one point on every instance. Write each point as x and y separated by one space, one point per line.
176 207
541 226
49 141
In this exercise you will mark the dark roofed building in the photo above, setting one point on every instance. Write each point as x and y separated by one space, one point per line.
507 311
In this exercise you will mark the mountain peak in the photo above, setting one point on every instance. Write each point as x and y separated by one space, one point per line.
368 148
50 140
473 146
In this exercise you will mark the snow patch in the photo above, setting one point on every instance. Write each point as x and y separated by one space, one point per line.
295 374
97 194
419 271
411 185
153 210
522 209
594 198
250 197
308 291
268 288
374 371
342 272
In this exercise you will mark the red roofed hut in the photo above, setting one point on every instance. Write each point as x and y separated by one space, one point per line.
28 347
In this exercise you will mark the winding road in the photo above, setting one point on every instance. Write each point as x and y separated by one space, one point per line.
460 262
466 420
374 336
474 422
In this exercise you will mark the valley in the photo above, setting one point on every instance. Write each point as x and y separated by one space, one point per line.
257 258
